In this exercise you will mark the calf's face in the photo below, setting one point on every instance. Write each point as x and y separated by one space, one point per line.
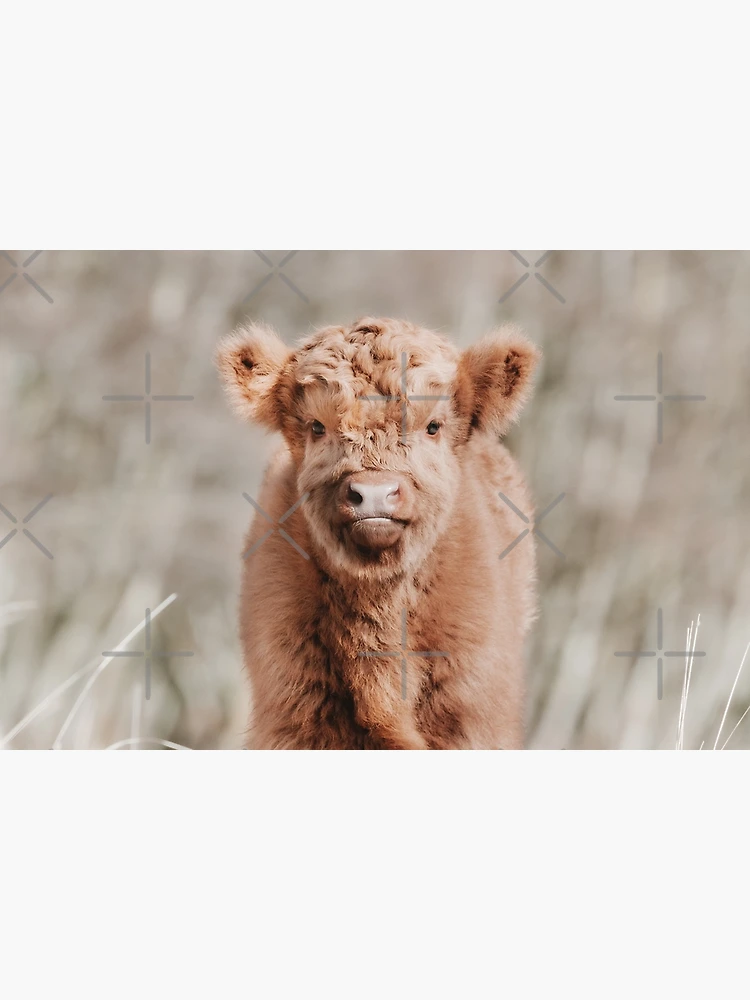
375 416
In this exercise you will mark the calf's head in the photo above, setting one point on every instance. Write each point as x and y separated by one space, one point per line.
375 416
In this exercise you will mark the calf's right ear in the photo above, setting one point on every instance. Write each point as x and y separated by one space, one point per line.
495 380
251 362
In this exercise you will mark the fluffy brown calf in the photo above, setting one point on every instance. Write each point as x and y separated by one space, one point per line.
378 615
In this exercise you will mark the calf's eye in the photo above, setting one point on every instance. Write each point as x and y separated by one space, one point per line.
318 429
433 427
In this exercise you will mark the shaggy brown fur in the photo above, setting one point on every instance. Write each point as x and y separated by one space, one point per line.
430 564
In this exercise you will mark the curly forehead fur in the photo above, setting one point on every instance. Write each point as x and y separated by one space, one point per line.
373 356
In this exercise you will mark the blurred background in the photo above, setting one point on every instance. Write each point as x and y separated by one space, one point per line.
644 524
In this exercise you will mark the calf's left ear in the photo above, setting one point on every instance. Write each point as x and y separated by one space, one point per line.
251 362
494 380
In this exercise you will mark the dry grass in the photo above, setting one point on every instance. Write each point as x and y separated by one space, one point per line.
134 740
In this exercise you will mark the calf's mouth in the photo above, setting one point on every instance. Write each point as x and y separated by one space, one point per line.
376 532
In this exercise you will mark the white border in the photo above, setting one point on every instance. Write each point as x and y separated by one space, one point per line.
411 125
280 875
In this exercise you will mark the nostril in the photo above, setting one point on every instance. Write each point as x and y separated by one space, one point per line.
393 492
353 496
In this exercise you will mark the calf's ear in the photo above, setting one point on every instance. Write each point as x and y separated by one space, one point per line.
494 380
251 362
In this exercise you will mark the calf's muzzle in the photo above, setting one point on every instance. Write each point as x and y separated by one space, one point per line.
376 504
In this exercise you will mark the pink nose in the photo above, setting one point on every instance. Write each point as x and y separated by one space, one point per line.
374 494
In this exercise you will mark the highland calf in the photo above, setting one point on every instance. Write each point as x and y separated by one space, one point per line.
378 614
